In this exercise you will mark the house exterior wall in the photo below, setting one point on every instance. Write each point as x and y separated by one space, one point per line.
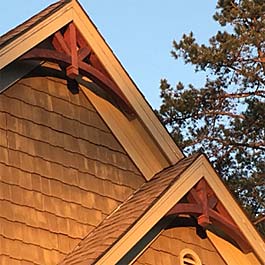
166 248
61 171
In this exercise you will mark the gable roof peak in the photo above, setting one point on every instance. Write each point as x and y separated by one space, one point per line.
151 156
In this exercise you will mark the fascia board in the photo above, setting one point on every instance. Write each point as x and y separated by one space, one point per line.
185 182
117 72
230 254
72 11
34 36
234 210
201 168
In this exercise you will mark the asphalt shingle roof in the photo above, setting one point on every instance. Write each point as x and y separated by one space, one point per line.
103 237
28 24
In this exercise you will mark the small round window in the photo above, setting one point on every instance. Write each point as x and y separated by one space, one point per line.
189 257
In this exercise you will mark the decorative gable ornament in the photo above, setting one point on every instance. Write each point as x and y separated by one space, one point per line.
202 202
68 48
173 185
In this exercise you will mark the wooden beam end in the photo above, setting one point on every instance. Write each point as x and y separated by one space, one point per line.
204 220
72 71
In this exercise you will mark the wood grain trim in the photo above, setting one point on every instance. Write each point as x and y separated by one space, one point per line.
185 182
157 135
119 75
132 136
199 169
36 35
230 254
238 216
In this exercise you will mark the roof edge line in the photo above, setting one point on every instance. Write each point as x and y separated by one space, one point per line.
173 194
24 42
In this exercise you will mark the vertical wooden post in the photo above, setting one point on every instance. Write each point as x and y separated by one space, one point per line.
70 36
203 219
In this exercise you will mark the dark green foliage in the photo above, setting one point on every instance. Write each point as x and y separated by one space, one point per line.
226 118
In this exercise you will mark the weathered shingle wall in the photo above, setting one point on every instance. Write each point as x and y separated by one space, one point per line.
167 247
61 171
113 228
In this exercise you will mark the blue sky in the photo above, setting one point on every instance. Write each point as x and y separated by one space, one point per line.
140 32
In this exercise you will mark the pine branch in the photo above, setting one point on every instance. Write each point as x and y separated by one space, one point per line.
211 113
259 93
254 145
259 220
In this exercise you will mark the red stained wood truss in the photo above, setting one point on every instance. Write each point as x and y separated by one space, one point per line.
202 203
73 54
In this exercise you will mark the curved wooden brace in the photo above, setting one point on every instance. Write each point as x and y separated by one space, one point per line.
230 230
45 54
185 208
86 70
216 219
203 204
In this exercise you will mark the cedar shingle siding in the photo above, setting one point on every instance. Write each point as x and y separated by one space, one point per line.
167 247
69 192
104 236
61 171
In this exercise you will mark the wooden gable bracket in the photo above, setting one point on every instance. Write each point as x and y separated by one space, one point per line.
205 206
73 54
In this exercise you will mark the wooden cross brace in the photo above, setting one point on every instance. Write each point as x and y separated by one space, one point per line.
73 54
203 204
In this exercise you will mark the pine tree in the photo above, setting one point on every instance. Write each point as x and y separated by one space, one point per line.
226 117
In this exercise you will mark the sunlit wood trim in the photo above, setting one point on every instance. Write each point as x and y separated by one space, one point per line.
37 34
72 11
198 170
132 136
230 254
122 79
233 209
185 182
